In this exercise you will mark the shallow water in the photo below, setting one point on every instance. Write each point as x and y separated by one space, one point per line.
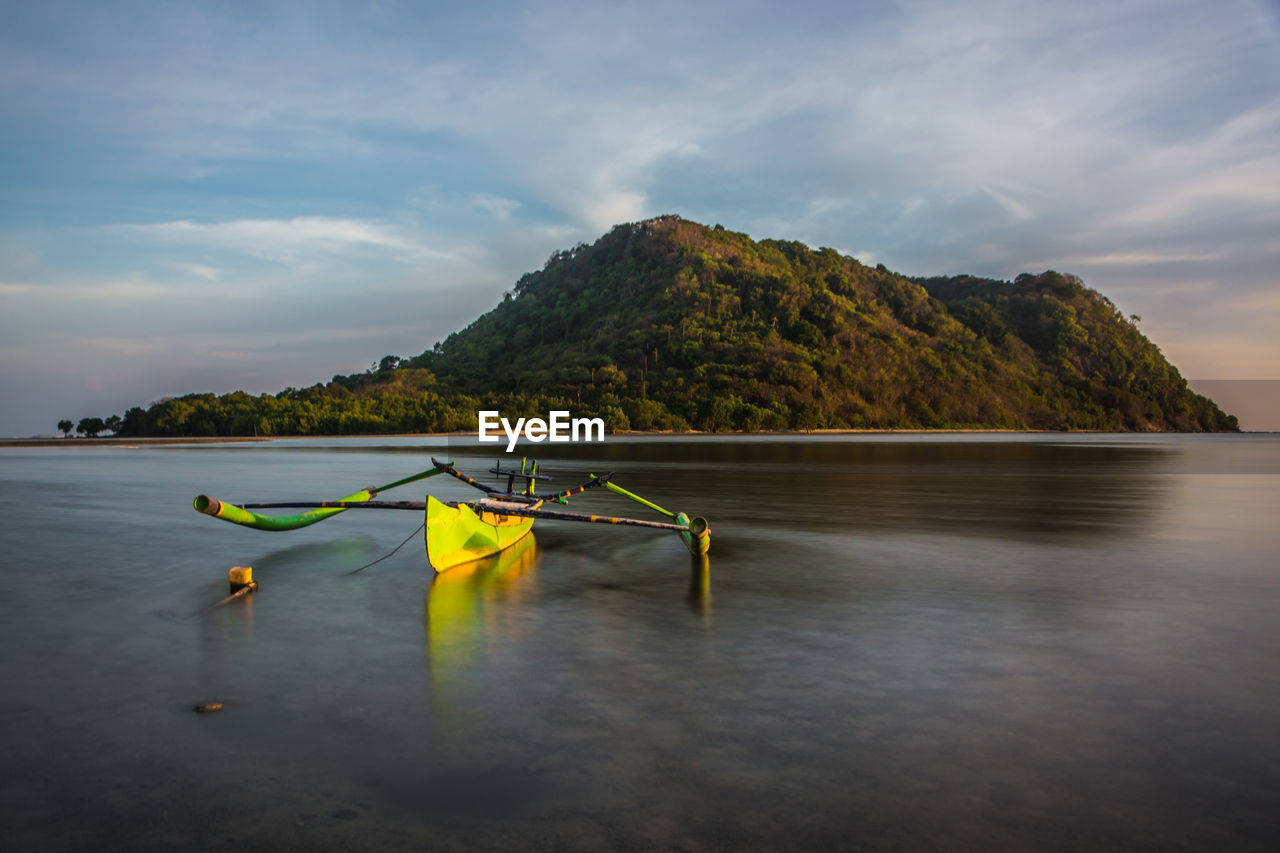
901 641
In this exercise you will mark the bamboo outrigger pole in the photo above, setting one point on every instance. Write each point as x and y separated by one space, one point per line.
499 508
695 532
240 515
650 504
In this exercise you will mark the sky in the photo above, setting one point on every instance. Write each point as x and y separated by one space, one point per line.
219 196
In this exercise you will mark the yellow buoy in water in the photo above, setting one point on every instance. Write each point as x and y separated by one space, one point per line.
240 577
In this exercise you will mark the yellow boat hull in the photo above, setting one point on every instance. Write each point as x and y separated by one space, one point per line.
457 535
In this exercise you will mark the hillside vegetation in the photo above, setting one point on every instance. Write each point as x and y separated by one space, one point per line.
668 324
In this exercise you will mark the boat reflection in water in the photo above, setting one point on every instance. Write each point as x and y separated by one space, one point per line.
467 610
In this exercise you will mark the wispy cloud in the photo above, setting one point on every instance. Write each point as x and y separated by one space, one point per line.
1132 259
500 208
13 288
1016 209
290 240
199 271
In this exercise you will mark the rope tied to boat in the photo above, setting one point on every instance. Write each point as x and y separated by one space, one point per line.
393 550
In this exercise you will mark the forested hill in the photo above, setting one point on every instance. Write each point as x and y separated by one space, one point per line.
668 324
726 332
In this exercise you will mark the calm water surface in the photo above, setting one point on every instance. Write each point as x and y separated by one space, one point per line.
901 642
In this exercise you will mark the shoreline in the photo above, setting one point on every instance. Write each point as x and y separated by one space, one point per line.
82 442
50 441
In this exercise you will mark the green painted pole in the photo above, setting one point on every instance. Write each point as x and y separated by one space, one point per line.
236 515
694 532
419 476
650 504
239 515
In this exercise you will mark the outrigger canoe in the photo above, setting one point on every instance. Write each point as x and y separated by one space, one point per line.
459 532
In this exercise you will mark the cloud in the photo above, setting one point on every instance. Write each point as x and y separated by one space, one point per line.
1016 209
290 240
500 208
58 291
114 346
199 271
1128 259
16 288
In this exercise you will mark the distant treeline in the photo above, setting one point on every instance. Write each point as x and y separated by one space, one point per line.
671 325
333 409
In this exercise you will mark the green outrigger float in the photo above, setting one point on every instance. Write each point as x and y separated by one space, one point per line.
459 532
